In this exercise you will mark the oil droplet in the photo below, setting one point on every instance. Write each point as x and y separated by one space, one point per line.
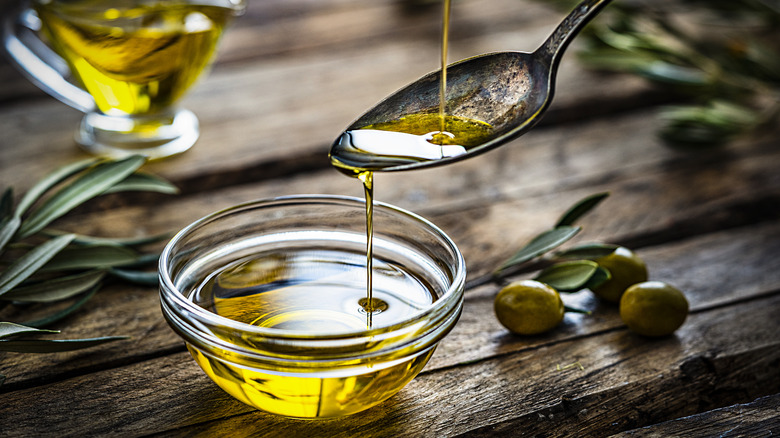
377 306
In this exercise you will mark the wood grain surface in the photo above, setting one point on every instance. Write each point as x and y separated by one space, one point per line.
290 76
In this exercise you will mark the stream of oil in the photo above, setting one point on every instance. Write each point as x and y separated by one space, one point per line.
428 135
367 176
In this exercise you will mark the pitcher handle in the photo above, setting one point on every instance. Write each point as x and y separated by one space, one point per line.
39 63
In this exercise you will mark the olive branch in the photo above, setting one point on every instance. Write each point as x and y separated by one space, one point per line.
571 270
41 266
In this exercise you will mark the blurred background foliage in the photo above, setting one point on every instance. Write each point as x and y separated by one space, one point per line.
721 56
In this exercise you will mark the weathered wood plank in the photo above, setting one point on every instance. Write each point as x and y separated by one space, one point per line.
760 418
495 215
719 357
289 109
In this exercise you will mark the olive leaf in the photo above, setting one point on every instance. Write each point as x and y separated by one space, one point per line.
51 180
9 222
539 245
598 278
31 261
713 123
143 260
679 75
570 309
66 266
60 314
143 182
12 329
143 278
91 183
610 59
90 257
8 227
588 251
555 237
580 209
54 346
55 289
109 241
568 276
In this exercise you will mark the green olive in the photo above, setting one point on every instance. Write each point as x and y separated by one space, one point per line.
528 307
625 268
653 308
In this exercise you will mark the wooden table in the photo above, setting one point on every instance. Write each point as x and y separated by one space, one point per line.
293 73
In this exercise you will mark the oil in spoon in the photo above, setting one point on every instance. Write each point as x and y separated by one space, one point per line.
428 135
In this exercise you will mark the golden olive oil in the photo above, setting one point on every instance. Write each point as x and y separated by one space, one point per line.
313 292
137 57
368 189
411 139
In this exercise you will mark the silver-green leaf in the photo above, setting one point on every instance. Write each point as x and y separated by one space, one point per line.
580 208
144 182
540 244
661 71
91 183
9 222
109 241
60 314
8 227
7 204
91 257
55 289
12 329
601 276
51 180
588 251
143 278
31 261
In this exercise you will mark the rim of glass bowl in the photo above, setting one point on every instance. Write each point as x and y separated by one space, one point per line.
169 291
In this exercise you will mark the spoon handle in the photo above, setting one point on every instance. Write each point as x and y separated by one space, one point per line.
552 49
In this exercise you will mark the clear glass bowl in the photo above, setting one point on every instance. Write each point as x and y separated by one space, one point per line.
265 295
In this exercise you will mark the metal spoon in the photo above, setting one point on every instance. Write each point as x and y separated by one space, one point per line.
510 91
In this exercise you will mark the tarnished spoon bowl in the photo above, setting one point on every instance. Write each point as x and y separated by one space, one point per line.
510 91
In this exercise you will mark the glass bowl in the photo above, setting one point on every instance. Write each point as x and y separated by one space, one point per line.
270 298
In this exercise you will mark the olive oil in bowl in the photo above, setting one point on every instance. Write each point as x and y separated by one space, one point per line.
270 297
314 291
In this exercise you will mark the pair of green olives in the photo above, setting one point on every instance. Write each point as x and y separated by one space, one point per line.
649 308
